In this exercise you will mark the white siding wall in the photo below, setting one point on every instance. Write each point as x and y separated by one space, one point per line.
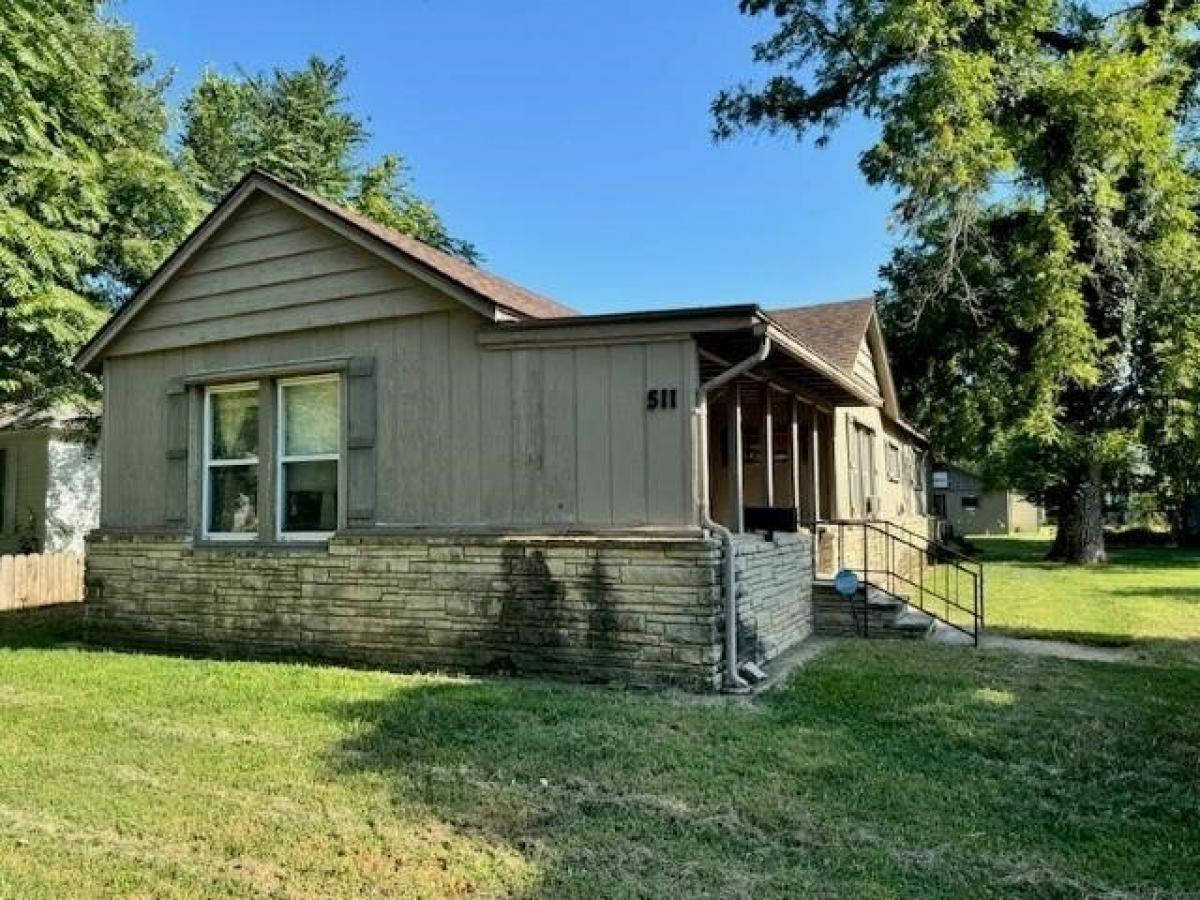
72 494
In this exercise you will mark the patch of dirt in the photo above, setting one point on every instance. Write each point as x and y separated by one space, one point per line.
1056 649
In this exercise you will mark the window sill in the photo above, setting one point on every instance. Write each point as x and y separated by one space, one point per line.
263 546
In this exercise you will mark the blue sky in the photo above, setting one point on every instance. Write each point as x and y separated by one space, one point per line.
569 139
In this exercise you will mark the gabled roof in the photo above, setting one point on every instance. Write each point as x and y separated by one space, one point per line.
835 330
489 294
504 293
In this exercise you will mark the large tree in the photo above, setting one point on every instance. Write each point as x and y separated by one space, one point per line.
1042 300
89 197
296 124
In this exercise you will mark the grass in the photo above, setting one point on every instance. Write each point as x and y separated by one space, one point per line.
880 770
1147 598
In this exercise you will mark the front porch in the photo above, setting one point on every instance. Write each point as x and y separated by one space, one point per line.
770 442
775 463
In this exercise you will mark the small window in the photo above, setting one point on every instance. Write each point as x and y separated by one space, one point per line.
970 503
309 444
918 474
892 460
231 462
941 480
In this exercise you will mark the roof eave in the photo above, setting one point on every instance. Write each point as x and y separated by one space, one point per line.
799 351
89 357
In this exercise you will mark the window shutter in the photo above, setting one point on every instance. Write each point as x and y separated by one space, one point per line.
360 442
177 456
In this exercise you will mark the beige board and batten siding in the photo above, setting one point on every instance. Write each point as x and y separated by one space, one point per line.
899 498
464 435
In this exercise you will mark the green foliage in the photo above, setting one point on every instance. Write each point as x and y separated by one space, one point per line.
382 193
1042 303
93 197
88 199
290 123
295 124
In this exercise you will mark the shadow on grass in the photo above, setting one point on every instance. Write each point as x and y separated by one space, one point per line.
40 627
1032 552
881 770
1187 593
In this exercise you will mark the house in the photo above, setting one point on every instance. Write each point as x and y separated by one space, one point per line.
967 506
49 479
323 438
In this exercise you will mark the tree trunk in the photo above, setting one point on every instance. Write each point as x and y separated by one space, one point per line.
1080 536
1186 524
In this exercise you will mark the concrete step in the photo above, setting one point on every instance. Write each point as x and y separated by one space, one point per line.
941 633
914 620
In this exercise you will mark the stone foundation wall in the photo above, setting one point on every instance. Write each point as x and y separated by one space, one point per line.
774 594
833 617
631 610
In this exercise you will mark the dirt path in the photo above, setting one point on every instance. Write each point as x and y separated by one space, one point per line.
1057 649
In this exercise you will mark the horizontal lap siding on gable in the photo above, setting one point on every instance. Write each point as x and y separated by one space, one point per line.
271 270
864 369
465 436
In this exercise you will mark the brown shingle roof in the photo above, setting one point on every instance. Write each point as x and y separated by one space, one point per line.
835 330
493 288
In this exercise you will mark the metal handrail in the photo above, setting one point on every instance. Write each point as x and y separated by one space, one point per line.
899 536
888 524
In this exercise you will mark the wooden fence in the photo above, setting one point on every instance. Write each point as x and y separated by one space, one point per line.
40 579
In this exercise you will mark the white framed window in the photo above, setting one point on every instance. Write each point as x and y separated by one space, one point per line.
230 489
309 440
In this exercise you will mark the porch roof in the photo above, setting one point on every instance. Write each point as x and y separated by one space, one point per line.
724 334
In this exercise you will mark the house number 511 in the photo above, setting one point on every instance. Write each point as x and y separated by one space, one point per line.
661 398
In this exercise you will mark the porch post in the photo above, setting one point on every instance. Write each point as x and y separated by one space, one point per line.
769 444
794 454
814 431
735 461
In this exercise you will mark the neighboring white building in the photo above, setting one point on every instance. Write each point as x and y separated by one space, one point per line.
49 479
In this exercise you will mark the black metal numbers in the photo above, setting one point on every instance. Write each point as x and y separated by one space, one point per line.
662 398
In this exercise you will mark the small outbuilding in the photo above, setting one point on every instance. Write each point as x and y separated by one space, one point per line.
49 478
968 505
323 438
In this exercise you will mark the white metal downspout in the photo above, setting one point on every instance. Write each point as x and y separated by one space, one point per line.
733 681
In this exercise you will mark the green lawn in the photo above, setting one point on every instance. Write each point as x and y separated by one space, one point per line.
881 770
1150 598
